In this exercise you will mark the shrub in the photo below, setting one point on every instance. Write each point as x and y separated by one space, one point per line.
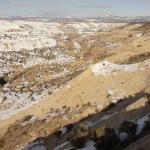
79 135
106 139
27 118
100 132
1 143
128 127
78 143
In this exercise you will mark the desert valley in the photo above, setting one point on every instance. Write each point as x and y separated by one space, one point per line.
72 84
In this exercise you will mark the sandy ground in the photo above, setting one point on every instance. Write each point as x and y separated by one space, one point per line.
86 88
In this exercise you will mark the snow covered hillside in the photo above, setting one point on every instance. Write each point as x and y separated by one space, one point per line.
37 58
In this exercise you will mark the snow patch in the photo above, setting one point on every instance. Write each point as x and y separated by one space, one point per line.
141 124
106 67
76 45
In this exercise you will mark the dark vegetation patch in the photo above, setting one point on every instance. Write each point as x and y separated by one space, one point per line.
137 58
2 81
107 138
2 143
145 28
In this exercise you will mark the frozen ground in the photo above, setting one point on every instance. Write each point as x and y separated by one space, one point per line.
35 60
106 68
17 35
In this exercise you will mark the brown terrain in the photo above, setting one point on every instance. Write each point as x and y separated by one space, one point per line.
109 84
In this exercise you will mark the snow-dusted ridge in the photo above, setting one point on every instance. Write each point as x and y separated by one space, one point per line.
38 46
107 68
17 35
